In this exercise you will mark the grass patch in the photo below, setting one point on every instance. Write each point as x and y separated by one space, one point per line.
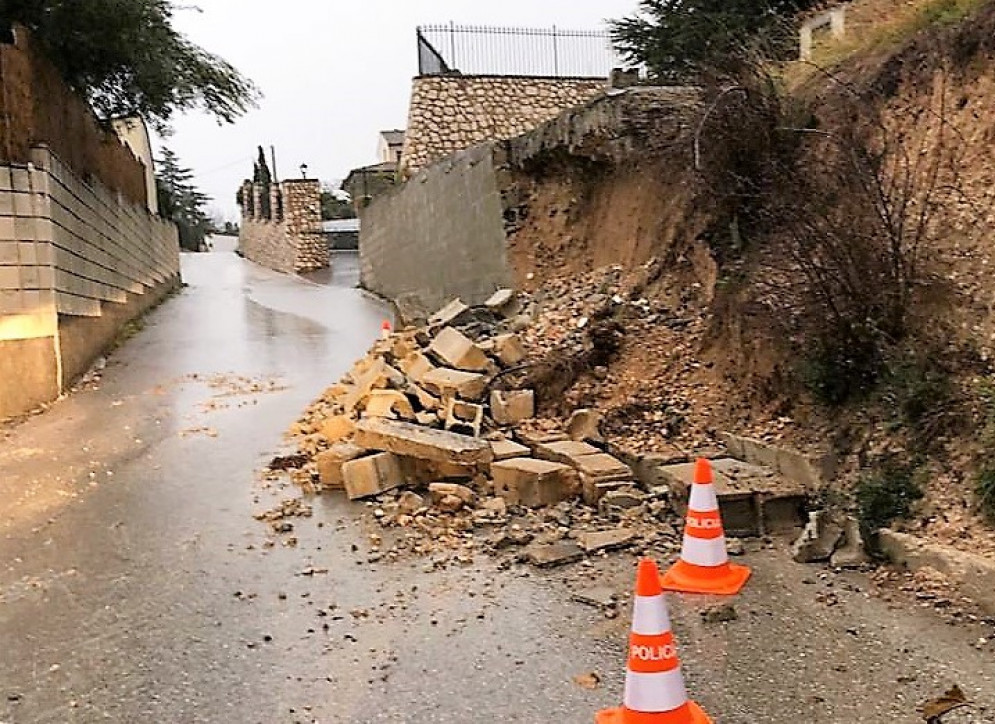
985 489
887 494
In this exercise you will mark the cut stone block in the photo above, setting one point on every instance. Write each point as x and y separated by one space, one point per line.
464 417
423 398
508 348
379 375
449 314
372 475
336 428
506 449
500 299
390 404
445 382
331 461
415 366
424 443
532 439
510 408
564 451
603 468
530 482
458 351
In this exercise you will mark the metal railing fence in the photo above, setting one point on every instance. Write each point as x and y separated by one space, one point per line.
535 52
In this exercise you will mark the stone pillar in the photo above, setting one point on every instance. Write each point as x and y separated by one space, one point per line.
276 203
302 216
257 202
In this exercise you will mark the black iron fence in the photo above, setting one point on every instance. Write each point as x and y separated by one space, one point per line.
539 52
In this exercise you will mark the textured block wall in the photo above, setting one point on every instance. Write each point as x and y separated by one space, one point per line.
454 113
70 250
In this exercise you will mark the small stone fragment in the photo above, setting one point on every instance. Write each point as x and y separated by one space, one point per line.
719 614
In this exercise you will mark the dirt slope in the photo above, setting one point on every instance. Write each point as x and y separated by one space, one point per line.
700 353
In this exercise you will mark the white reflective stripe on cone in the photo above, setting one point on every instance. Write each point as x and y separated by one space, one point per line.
655 693
704 551
703 498
649 616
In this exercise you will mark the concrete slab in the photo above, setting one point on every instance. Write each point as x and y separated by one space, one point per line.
423 443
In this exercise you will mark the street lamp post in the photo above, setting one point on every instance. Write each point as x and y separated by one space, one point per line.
304 171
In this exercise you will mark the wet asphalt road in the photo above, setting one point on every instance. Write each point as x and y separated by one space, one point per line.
136 587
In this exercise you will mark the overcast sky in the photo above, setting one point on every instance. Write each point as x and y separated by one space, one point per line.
333 74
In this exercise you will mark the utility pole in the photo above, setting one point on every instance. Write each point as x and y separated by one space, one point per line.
272 155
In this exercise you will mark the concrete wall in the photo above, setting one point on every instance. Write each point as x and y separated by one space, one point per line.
452 113
438 236
447 231
77 261
284 235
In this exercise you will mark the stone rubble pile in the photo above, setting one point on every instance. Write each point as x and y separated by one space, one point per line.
429 431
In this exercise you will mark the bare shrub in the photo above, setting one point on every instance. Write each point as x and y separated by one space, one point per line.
843 215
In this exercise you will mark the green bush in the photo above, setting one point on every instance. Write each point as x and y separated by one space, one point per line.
887 494
985 489
842 368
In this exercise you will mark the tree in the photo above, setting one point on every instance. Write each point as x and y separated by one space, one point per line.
181 202
675 39
335 204
127 59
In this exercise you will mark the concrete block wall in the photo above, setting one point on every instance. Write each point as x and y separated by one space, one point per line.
453 113
439 235
70 250
290 239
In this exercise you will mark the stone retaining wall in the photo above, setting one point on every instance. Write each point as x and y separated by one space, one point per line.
453 113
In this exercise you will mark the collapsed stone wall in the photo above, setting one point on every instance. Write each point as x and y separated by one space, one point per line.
77 262
463 226
36 106
281 226
453 113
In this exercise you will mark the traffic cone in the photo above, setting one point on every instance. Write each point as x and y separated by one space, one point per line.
385 329
704 565
654 684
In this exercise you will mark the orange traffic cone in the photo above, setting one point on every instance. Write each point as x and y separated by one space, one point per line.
385 329
704 565
654 684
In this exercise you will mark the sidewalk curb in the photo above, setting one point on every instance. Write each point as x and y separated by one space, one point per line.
974 574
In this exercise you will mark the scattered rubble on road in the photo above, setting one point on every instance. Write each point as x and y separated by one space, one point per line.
434 431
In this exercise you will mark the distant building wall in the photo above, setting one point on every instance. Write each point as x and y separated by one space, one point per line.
438 236
77 261
283 232
453 113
